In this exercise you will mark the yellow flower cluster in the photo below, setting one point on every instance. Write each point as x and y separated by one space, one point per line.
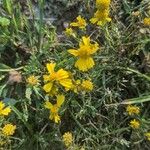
60 80
131 110
67 139
84 52
55 80
54 109
4 111
101 16
80 23
8 129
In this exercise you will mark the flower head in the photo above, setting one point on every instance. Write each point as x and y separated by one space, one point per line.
87 85
148 135
69 31
101 17
8 129
80 22
84 52
60 77
134 124
131 110
4 111
32 80
67 139
102 4
146 21
54 109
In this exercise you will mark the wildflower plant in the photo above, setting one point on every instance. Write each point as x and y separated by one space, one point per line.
55 108
75 87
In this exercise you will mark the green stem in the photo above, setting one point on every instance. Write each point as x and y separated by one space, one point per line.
136 72
139 74
11 69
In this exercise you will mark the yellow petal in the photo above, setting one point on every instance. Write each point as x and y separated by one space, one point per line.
57 118
81 65
74 24
73 52
6 111
100 23
67 83
84 64
48 105
93 20
62 74
50 67
47 87
51 116
46 78
86 40
2 105
94 48
108 19
89 62
60 100
79 18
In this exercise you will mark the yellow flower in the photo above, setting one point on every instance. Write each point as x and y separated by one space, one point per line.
69 32
80 22
4 111
132 110
87 85
67 139
61 77
146 21
55 108
148 135
8 129
134 124
102 4
32 80
86 49
100 17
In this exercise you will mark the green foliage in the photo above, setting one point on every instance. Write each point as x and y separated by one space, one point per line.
97 119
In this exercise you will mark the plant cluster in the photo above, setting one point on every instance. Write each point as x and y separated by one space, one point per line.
84 89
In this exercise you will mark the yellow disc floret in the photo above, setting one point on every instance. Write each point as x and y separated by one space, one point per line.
87 85
131 110
32 80
135 124
67 139
8 129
